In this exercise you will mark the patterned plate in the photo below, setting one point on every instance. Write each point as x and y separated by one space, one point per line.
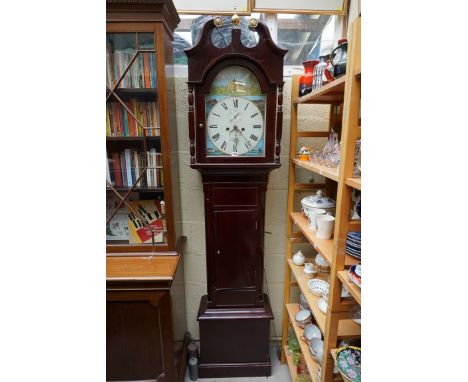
352 244
353 241
353 248
356 235
357 256
348 362
353 251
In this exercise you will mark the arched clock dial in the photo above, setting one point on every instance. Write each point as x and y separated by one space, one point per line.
236 126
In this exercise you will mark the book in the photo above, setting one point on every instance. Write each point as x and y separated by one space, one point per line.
120 123
117 229
123 169
136 160
128 167
108 173
117 170
150 211
147 70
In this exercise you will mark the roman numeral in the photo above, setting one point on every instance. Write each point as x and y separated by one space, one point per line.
236 103
248 145
253 115
224 105
224 145
234 147
216 114
215 137
257 126
254 137
213 126
246 106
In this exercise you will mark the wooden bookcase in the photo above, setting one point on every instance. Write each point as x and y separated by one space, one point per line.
342 94
140 127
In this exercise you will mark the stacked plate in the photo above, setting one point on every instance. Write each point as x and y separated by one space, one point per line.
353 244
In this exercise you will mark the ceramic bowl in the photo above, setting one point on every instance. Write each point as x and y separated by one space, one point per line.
353 277
357 269
316 349
321 264
348 361
317 287
312 331
303 302
303 317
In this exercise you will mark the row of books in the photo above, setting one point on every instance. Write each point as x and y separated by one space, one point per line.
125 167
141 74
119 123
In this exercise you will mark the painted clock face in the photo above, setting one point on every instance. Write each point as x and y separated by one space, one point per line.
235 115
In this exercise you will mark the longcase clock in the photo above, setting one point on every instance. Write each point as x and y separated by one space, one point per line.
235 125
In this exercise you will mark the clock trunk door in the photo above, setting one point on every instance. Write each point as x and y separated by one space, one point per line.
235 256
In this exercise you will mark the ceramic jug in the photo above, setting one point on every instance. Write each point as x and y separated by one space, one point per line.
310 270
339 58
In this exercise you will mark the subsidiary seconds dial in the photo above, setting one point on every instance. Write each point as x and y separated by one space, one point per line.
235 125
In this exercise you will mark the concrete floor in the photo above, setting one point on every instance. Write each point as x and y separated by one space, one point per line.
280 373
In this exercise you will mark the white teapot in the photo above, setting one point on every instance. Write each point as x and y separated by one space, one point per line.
299 258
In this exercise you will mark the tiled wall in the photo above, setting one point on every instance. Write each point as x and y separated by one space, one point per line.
193 226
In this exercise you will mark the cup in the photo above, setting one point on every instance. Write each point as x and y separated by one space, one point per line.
312 213
310 270
325 225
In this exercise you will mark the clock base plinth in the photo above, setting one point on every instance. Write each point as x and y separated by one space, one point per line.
234 342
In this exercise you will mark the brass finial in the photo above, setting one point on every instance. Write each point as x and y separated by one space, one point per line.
235 19
218 21
253 22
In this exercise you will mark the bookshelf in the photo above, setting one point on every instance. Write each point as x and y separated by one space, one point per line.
140 128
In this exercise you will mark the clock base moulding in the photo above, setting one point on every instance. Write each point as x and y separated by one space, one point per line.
235 341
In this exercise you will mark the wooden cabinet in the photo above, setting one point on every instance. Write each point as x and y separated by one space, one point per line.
140 339
140 127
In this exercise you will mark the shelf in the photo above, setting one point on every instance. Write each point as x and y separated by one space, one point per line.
346 328
352 288
354 183
146 94
131 139
292 367
324 247
138 189
328 172
312 365
330 93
